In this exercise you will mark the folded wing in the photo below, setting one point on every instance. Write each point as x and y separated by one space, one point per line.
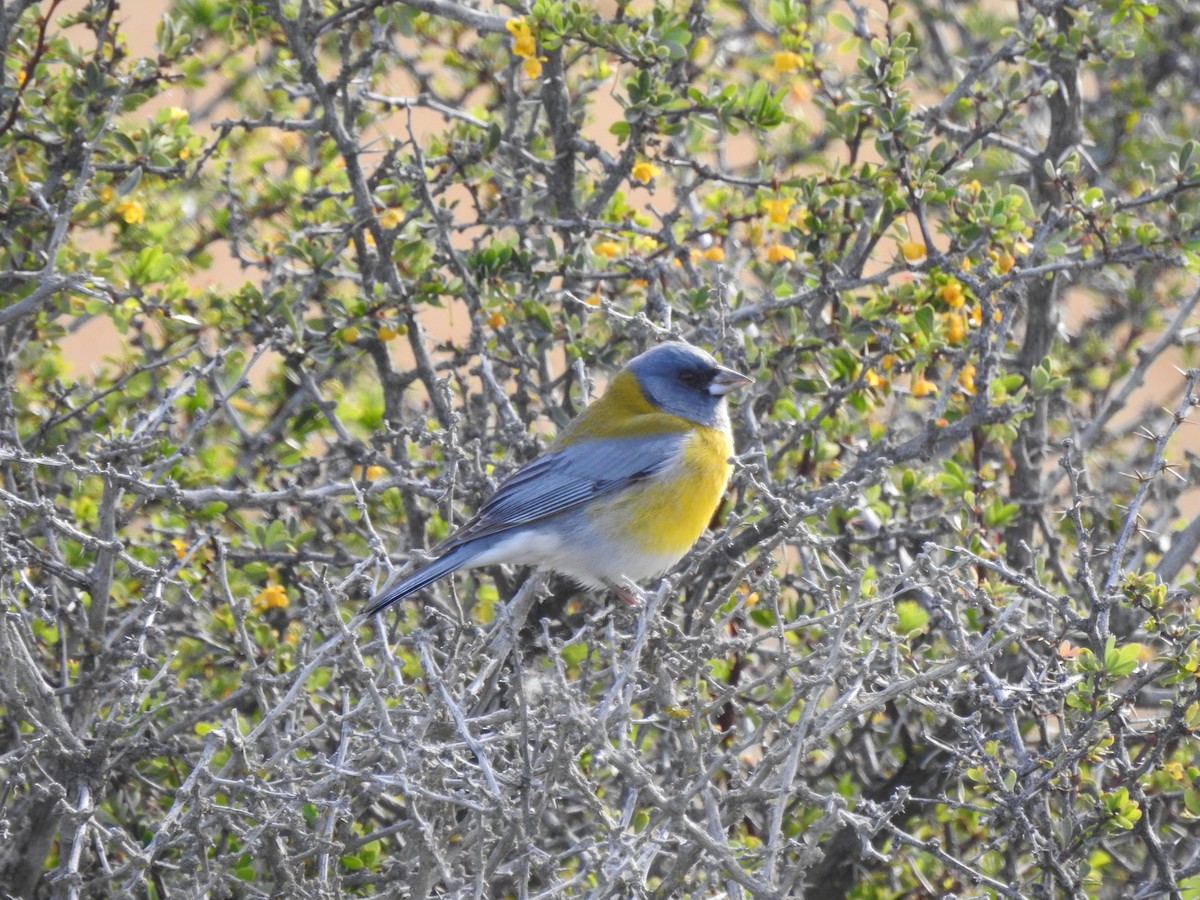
565 478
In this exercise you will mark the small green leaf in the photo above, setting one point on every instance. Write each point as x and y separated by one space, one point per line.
130 182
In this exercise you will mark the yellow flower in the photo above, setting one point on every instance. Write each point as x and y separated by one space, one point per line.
496 319
777 253
374 472
106 193
608 248
889 360
273 596
645 172
787 61
715 254
875 380
524 43
922 386
777 210
386 333
349 334
592 300
966 378
913 250
956 328
131 211
533 66
184 153
799 91
390 218
181 547
1005 261
952 293
643 243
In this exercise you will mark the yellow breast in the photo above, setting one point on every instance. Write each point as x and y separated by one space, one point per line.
667 514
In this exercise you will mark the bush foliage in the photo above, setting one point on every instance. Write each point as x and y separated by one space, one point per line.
360 259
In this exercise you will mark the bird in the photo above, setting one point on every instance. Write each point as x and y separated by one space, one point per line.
622 494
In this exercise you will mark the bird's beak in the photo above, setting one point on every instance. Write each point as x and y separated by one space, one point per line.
727 380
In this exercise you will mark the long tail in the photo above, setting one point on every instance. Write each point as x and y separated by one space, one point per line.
422 577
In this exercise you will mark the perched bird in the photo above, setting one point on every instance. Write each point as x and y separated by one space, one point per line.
624 492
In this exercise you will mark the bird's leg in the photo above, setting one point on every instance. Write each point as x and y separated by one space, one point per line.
626 590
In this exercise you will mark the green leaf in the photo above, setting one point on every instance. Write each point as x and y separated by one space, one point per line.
911 618
130 182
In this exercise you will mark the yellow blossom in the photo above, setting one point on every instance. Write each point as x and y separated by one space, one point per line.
777 210
533 66
181 547
875 380
524 43
645 171
184 153
496 319
374 472
787 61
922 386
390 218
643 243
956 328
913 250
131 211
799 91
273 596
349 334
386 333
966 378
608 248
592 300
952 293
777 253
106 193
977 315
889 360
715 254
1005 261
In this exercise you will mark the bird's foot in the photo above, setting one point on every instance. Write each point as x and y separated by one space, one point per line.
627 591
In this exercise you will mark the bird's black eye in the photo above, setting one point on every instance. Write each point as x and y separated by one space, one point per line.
691 379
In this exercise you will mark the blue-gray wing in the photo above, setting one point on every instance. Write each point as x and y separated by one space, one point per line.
565 478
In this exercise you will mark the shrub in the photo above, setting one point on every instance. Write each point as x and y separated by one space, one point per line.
359 259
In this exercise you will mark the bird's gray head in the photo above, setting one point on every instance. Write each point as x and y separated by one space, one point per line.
686 381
